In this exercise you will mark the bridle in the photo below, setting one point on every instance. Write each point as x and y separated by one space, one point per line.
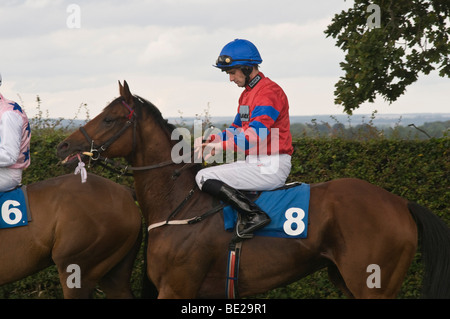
95 155
96 151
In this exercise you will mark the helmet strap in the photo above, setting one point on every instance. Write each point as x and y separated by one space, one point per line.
247 70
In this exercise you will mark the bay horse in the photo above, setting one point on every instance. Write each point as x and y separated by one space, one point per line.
353 224
90 230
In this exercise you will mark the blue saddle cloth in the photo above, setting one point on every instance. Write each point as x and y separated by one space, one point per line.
287 207
13 209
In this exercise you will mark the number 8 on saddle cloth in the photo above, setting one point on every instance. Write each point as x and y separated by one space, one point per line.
287 207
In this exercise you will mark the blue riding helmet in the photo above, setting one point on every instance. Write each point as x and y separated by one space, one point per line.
238 53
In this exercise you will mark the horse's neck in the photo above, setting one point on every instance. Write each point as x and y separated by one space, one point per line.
159 193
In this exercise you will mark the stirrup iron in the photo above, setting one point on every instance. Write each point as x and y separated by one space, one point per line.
239 227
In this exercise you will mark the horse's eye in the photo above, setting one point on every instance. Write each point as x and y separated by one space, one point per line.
108 120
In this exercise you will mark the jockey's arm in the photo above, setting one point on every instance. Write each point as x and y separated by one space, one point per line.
10 138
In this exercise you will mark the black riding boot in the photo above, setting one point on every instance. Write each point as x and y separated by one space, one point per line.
253 217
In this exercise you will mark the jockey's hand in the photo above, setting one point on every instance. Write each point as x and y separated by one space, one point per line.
212 148
198 148
207 149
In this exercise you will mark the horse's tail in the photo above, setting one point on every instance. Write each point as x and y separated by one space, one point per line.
435 244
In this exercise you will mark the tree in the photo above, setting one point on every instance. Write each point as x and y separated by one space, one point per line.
387 44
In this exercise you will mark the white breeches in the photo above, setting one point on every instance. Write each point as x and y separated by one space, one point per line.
10 178
257 172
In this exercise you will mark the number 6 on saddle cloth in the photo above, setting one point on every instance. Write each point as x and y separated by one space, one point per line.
287 207
14 207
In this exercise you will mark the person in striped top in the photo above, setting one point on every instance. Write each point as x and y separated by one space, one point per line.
15 135
260 131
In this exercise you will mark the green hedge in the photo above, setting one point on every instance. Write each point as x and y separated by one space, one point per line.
417 170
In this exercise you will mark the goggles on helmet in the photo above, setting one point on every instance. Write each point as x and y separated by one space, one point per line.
225 60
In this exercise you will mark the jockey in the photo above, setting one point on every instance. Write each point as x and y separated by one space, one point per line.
260 130
15 136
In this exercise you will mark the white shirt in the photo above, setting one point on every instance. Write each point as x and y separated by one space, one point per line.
14 144
10 138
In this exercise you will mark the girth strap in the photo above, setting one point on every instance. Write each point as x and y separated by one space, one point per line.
234 255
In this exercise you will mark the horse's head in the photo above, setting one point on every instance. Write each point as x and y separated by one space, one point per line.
109 134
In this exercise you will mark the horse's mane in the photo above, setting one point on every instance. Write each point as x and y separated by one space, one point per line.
153 111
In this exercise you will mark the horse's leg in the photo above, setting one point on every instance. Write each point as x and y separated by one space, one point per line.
337 280
366 279
379 238
390 280
117 282
181 282
178 273
178 286
114 281
73 287
80 268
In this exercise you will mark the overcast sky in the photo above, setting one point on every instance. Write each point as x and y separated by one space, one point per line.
165 50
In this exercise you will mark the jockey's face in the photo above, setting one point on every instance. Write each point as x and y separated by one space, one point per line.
237 77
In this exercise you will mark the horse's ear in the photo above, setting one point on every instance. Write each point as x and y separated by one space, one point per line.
125 92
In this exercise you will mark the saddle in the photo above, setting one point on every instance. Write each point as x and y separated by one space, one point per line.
254 195
287 207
